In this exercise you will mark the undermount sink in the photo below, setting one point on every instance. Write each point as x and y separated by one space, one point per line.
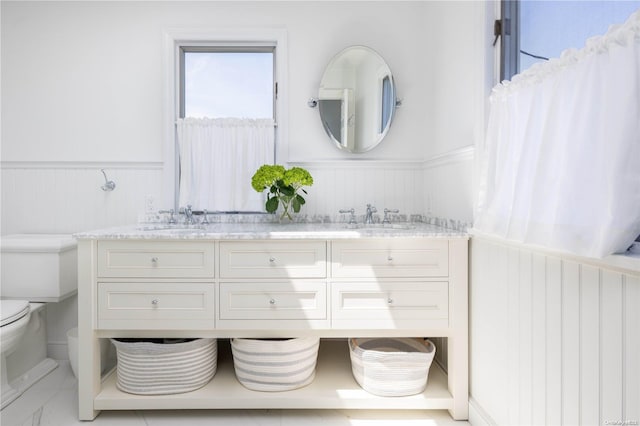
381 226
176 228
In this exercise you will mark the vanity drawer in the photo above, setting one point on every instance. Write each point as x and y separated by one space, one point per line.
390 258
295 300
389 304
155 306
273 259
153 259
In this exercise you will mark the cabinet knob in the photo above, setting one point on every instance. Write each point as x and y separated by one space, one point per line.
154 260
272 260
389 301
390 258
154 302
272 301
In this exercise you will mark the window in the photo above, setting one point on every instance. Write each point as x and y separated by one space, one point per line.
227 82
199 93
533 30
226 125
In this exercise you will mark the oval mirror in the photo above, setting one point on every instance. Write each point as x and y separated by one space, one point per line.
357 99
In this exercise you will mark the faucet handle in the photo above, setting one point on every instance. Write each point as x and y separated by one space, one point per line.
386 215
352 218
205 221
171 212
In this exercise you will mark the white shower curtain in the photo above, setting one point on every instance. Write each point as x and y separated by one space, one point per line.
218 157
560 166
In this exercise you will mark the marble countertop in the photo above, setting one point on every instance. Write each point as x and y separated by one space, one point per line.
262 231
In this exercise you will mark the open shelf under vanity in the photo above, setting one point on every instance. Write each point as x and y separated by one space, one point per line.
332 388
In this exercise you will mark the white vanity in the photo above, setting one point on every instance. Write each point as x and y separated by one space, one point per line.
273 280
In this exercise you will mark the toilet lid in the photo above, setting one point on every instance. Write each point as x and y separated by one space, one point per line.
12 310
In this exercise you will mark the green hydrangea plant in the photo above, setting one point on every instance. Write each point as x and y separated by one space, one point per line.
282 186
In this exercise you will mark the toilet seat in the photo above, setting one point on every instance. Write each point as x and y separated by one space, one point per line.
12 310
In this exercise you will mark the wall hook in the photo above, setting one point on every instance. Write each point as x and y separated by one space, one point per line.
109 185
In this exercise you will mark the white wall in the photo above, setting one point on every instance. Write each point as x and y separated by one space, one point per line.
82 89
554 340
461 59
458 60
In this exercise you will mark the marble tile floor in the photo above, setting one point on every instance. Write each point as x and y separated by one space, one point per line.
54 402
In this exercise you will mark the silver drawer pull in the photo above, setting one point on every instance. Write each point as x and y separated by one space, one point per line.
272 260
390 258
154 302
390 301
154 260
272 301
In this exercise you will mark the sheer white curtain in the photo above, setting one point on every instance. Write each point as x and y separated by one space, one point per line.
560 166
218 157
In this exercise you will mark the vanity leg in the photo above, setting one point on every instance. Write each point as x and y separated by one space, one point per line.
458 378
458 341
88 343
89 378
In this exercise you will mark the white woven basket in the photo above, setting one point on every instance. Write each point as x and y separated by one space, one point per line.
149 368
391 366
275 365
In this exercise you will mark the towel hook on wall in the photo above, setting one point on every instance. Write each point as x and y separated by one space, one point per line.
109 185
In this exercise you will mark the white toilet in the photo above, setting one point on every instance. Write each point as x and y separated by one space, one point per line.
36 269
15 318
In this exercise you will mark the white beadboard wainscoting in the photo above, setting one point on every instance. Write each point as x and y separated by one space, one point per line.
42 197
345 184
441 186
66 197
554 339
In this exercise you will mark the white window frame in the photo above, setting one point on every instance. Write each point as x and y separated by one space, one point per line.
213 48
233 37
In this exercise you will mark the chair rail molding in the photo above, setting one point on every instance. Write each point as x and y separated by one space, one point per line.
455 156
74 165
359 164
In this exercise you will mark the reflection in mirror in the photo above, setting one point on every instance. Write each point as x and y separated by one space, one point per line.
357 99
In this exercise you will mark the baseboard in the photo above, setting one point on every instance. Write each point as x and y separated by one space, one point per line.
478 416
20 384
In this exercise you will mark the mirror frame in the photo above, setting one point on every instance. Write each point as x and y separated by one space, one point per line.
392 96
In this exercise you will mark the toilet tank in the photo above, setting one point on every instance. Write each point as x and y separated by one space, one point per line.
38 267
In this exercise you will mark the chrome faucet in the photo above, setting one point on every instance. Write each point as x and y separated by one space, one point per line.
368 219
188 215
